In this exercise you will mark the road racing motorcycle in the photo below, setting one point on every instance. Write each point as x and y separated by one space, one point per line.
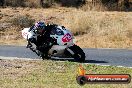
64 46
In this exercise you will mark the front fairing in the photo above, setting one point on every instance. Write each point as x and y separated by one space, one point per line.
62 35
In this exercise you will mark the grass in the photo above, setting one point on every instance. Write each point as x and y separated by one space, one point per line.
47 74
93 29
23 21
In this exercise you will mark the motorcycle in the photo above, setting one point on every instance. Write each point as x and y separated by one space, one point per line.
64 46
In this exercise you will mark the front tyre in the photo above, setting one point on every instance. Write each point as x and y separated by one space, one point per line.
75 52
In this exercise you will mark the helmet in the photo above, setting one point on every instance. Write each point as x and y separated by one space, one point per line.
39 27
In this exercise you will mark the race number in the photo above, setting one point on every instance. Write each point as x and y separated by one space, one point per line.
67 37
24 34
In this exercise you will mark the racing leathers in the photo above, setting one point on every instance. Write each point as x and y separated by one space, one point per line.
43 42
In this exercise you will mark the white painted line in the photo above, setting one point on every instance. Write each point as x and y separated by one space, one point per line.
109 65
13 58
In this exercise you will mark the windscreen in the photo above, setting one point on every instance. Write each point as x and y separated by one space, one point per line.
57 31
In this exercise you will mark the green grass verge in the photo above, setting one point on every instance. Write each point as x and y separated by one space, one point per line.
52 74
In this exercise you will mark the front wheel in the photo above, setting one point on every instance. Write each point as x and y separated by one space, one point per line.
75 52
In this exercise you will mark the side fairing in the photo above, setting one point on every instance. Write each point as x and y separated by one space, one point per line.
26 34
62 35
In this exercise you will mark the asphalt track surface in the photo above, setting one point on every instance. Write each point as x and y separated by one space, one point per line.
113 57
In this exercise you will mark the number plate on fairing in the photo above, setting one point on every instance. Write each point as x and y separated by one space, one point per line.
67 37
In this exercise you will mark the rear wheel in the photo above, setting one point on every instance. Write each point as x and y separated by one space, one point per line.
76 52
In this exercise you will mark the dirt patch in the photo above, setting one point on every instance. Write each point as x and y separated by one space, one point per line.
96 29
14 69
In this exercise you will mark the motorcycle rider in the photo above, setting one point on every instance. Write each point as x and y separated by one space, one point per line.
41 38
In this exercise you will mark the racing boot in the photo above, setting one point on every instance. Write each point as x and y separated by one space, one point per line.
42 52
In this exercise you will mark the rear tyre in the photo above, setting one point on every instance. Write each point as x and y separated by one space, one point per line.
76 52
